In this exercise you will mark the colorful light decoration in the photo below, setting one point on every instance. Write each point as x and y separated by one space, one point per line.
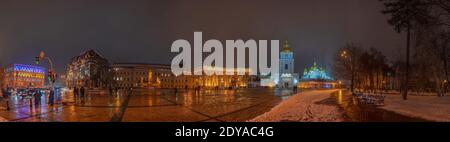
30 75
27 68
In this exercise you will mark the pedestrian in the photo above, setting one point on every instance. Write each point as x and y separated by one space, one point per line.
82 92
75 93
4 93
37 98
110 91
51 97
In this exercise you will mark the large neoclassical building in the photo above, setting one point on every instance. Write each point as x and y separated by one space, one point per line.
286 78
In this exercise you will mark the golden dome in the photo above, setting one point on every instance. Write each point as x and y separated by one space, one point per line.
286 47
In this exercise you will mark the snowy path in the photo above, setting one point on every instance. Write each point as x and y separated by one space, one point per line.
430 108
308 106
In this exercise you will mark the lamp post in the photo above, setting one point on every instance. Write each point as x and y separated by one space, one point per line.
351 58
51 73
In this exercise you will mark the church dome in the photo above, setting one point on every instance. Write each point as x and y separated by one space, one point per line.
286 47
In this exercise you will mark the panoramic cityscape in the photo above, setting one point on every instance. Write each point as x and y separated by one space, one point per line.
352 61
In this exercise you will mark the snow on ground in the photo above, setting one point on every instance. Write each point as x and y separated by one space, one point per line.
426 107
413 93
308 106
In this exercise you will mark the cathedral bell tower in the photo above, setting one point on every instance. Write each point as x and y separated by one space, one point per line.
287 75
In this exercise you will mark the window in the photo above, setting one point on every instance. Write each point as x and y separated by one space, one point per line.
285 66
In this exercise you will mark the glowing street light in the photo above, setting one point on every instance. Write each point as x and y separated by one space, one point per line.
344 54
51 74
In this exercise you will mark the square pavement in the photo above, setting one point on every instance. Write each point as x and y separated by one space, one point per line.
145 106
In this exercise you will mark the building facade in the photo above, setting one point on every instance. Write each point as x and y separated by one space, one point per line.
287 78
139 75
90 70
316 78
23 76
209 81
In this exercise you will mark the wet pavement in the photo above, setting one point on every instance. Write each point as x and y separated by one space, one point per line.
147 106
358 112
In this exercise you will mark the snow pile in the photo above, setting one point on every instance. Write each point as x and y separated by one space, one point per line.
309 106
431 108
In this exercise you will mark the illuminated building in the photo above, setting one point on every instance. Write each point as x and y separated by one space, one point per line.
90 70
315 73
286 78
168 80
139 75
24 76
316 78
223 81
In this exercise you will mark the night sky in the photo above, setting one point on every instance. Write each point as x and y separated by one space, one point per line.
143 31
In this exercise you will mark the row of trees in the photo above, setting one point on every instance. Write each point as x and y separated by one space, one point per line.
365 69
426 24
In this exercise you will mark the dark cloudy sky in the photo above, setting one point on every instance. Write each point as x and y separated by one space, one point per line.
143 30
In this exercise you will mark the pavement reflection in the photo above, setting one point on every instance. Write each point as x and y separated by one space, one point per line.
147 105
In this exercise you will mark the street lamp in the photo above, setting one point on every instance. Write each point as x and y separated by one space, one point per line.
51 73
344 54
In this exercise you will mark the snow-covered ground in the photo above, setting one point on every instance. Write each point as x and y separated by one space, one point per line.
413 93
308 106
426 107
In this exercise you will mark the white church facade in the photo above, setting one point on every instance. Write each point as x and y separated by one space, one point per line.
286 78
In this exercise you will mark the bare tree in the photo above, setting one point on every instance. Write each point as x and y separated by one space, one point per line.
365 69
432 43
345 63
404 15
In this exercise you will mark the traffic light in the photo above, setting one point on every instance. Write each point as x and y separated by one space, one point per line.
38 60
51 76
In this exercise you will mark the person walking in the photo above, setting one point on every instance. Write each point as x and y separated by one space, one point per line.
82 92
110 91
4 93
37 98
75 93
51 97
